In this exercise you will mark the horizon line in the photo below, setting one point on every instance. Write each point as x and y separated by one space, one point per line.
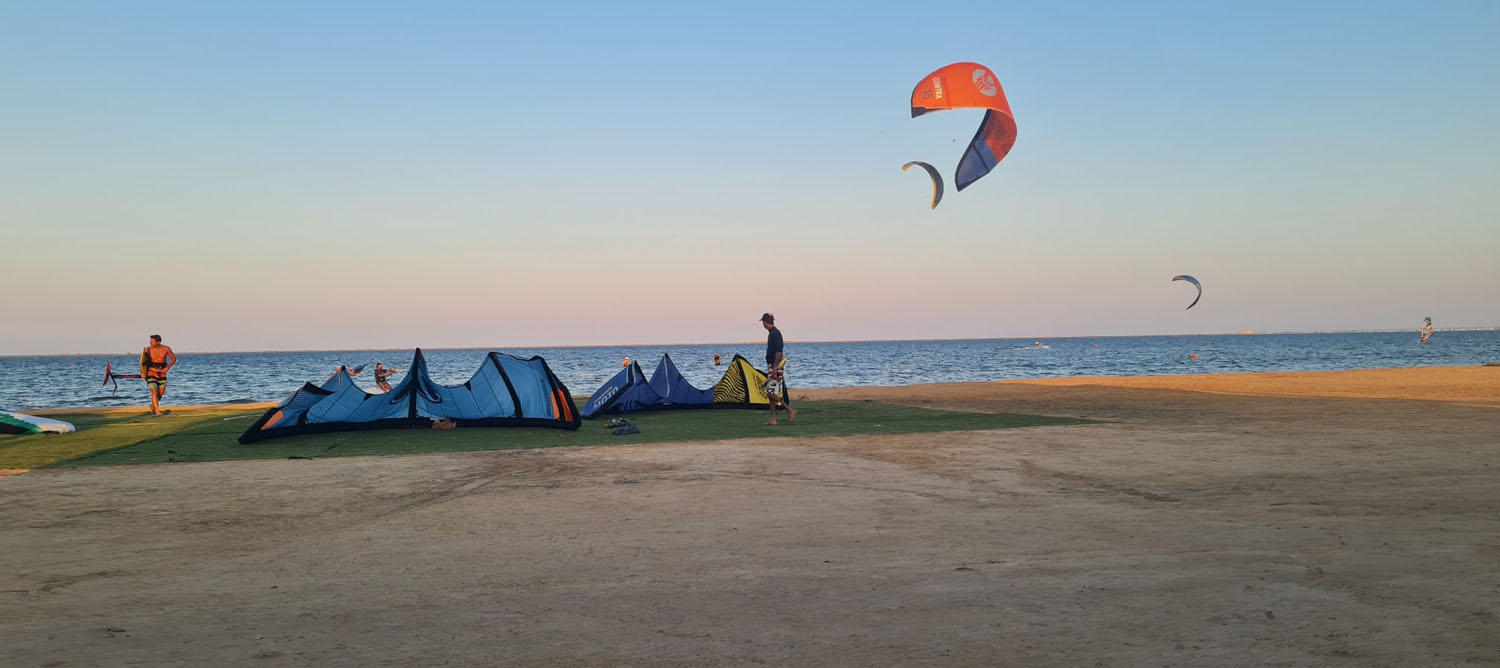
1490 328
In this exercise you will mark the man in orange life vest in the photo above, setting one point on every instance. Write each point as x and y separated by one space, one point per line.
156 361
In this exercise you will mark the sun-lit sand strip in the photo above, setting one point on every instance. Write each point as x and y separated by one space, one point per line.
1473 385
1468 385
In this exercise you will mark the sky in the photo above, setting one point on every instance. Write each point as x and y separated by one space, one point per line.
290 175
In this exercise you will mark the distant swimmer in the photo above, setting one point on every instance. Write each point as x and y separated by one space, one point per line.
717 360
626 362
383 377
1036 343
1426 329
156 361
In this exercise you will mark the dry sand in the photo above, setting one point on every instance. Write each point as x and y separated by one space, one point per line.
1216 521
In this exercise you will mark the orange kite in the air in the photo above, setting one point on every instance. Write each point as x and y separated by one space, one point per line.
967 86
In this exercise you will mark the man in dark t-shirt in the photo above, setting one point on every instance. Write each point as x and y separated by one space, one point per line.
775 377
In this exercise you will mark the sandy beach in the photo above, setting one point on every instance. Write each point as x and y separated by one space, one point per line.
1287 519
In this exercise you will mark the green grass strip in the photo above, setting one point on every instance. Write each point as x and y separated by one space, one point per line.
210 435
101 433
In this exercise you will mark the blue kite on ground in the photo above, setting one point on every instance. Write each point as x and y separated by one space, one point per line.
629 391
506 391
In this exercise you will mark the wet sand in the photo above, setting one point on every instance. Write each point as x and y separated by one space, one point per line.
1323 519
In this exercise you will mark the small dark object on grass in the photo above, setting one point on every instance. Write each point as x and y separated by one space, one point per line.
617 423
627 429
443 424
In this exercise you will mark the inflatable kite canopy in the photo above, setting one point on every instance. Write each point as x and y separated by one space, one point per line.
626 392
970 86
629 391
932 173
506 391
1196 284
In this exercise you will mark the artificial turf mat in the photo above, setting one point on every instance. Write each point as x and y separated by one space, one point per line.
205 435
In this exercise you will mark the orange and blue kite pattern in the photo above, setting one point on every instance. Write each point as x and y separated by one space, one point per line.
970 86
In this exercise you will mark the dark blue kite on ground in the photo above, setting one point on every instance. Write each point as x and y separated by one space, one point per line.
627 392
506 391
667 382
630 391
743 386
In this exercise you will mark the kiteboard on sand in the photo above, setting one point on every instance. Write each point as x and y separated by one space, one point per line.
20 423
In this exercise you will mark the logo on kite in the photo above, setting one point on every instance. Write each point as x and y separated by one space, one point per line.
986 82
997 132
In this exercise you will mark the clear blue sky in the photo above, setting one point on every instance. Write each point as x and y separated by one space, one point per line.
451 174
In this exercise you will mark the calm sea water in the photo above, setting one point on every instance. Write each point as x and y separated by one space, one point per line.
71 381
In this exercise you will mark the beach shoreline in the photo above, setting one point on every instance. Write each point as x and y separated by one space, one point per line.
1458 384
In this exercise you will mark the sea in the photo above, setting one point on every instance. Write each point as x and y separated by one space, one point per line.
70 381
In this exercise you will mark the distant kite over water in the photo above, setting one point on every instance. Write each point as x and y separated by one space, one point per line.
937 179
1195 283
970 86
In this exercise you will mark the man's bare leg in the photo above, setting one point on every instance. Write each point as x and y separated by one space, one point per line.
155 399
773 400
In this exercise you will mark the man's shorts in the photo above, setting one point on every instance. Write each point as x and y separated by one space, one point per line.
156 383
775 386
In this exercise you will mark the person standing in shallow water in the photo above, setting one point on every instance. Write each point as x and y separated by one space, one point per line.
156 361
775 376
383 377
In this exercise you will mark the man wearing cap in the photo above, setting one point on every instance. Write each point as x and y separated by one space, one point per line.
775 378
